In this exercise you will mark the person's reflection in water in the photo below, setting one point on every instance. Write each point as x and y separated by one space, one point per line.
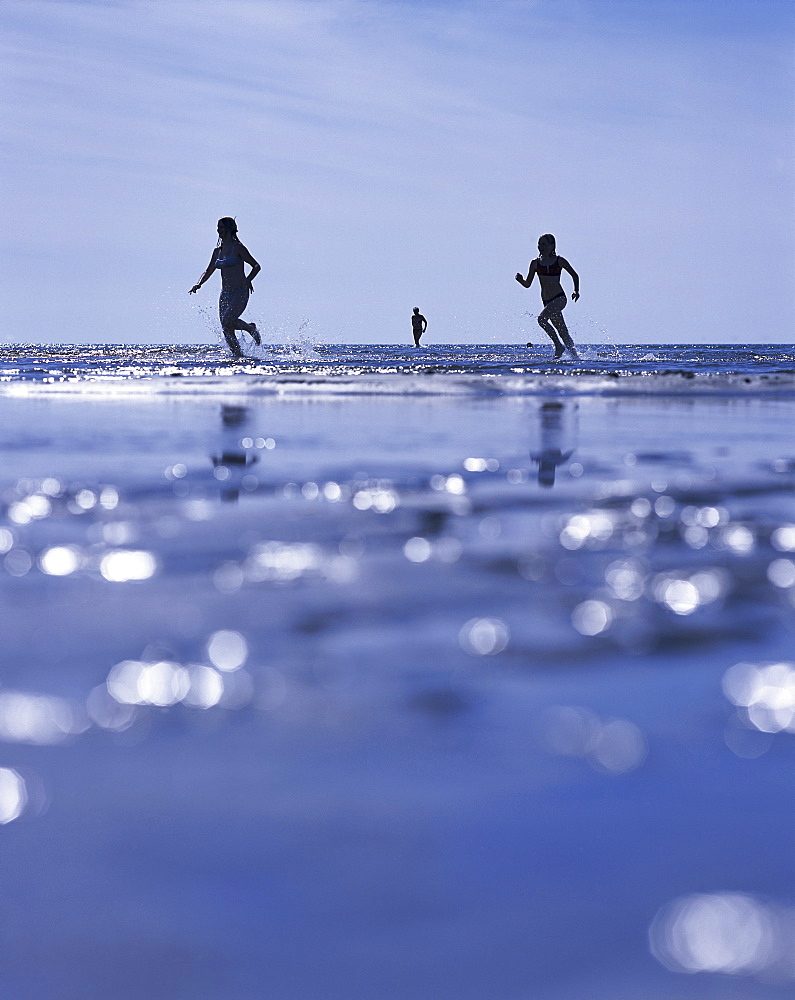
554 435
230 466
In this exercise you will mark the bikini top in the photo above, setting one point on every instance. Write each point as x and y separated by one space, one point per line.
229 261
551 271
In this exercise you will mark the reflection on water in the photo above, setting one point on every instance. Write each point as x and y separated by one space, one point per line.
236 454
305 691
558 432
730 932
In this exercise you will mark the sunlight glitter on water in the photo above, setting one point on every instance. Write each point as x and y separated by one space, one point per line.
730 933
13 795
764 695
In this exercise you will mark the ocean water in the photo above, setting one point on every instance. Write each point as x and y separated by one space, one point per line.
348 672
59 363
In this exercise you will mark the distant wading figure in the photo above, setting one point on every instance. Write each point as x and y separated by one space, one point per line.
229 257
419 324
548 266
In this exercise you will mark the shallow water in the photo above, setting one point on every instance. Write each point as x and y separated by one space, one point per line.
58 363
478 687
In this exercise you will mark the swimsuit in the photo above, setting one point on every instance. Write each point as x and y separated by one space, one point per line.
233 300
552 271
229 261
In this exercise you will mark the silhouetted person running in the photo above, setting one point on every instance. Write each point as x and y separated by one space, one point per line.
229 257
419 324
548 266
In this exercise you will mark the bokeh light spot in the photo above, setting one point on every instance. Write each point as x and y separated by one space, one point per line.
227 650
123 565
484 636
417 550
781 573
729 933
13 795
60 560
592 617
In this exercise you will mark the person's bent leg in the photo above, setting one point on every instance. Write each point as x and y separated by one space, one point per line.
560 324
250 329
549 330
233 302
231 340
229 312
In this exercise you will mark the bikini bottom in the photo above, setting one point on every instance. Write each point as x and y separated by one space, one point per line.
554 305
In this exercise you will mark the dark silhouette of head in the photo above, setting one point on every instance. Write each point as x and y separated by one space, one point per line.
227 228
233 416
416 309
546 238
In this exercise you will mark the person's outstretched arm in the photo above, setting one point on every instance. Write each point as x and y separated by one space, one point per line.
255 268
531 273
575 277
207 273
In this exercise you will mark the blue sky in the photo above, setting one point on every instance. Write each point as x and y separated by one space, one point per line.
381 154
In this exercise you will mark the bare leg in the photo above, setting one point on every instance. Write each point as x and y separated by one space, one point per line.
549 330
560 324
231 339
